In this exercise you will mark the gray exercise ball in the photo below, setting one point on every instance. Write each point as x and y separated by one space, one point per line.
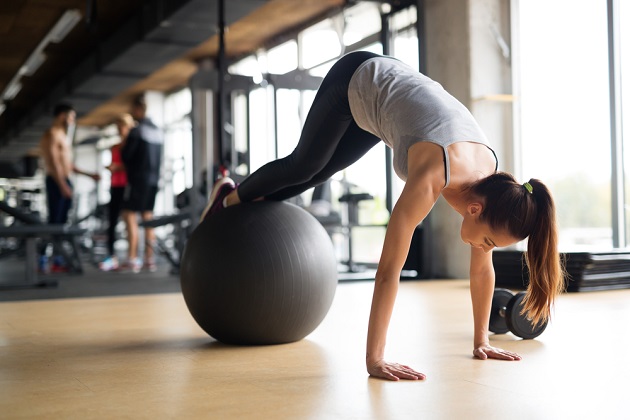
259 273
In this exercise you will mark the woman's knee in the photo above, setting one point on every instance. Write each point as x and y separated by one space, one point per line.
302 170
321 177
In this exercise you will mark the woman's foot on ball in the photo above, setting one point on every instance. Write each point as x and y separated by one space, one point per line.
222 188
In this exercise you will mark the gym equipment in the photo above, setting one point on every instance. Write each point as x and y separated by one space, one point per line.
586 271
171 250
190 204
259 273
30 228
353 200
505 316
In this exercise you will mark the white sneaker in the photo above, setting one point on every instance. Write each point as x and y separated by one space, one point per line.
108 264
150 266
134 265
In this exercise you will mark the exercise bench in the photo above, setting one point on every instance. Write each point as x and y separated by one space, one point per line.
30 229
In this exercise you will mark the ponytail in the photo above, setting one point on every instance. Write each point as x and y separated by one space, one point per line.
546 273
527 211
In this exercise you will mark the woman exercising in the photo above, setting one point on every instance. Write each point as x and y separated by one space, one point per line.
438 150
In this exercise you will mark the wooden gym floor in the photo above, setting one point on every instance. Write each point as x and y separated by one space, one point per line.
144 357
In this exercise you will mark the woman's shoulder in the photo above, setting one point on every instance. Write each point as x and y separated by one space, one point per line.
469 162
425 161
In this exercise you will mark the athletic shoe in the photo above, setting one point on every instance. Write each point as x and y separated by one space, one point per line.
150 266
57 268
109 264
42 266
59 260
221 189
134 265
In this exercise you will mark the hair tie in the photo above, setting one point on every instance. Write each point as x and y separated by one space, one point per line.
529 187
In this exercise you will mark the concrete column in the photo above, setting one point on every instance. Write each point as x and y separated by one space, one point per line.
491 76
465 55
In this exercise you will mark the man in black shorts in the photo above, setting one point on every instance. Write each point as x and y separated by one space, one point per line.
141 155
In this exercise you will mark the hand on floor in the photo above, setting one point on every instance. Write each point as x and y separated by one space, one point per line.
393 371
486 351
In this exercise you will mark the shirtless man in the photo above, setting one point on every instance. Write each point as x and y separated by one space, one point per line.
58 164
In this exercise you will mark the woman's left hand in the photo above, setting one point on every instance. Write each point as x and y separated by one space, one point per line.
486 351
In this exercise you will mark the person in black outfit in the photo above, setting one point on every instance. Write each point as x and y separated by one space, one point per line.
142 157
118 184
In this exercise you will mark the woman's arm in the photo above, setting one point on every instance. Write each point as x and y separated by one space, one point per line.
481 292
115 167
418 197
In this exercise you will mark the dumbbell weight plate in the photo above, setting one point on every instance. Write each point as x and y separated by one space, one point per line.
519 324
500 299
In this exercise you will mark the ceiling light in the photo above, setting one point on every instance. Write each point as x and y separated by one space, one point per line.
58 32
64 25
33 63
12 90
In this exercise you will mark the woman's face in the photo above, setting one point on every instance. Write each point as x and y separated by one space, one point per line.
479 235
123 130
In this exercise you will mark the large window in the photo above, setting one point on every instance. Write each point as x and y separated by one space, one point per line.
278 106
565 113
624 61
277 111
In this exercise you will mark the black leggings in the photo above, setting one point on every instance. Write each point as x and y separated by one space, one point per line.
330 141
113 209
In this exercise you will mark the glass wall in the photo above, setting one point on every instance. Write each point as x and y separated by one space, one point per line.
177 142
565 115
357 28
624 61
277 112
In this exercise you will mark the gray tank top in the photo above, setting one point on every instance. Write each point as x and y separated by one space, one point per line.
403 107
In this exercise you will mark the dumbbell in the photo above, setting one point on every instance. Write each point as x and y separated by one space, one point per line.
506 316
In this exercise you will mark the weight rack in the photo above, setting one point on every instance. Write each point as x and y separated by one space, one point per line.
587 271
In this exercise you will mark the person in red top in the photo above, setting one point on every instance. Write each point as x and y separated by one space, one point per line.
124 124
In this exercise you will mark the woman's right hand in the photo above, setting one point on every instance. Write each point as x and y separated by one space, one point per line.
393 371
114 167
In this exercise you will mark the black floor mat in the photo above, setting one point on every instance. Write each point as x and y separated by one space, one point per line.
92 283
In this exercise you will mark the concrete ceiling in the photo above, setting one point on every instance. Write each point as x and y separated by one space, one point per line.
126 47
